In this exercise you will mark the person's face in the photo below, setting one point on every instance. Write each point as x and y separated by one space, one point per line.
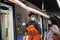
51 27
32 17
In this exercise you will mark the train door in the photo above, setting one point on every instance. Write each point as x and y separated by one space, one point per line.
4 26
6 22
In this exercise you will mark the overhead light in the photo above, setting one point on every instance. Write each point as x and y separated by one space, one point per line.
58 1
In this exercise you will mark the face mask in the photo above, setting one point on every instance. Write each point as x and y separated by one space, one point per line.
49 22
33 19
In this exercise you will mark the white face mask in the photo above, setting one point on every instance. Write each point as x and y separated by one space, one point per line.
33 19
49 22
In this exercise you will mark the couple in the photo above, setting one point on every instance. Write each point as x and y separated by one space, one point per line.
54 31
53 28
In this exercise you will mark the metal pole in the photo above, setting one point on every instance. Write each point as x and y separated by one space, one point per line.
43 20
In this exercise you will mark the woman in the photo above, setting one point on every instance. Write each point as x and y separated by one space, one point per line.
53 28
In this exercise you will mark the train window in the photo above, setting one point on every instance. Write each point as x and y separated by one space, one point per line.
19 24
19 27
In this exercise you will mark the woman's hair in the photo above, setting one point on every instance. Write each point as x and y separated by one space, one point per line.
54 20
57 18
50 25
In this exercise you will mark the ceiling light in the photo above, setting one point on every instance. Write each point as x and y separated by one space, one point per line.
58 1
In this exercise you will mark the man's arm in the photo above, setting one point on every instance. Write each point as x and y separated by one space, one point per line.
38 29
37 26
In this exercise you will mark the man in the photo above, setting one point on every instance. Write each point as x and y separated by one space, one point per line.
36 34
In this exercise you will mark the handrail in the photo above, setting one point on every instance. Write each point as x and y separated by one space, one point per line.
28 8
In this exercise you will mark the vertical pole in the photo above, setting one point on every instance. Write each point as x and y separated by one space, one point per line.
43 27
42 5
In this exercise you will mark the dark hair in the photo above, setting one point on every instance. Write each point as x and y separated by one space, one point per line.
31 13
54 20
57 18
49 25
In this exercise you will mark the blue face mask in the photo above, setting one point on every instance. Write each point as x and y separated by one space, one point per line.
33 19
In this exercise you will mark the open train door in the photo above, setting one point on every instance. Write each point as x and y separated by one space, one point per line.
6 17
